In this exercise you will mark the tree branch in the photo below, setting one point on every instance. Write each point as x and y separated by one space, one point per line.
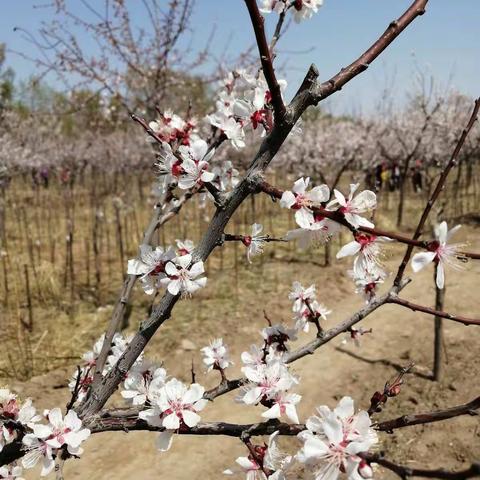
395 28
405 472
431 311
440 185
158 219
304 98
339 218
469 408
266 59
309 348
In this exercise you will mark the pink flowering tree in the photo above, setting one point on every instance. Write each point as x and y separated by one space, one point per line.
335 439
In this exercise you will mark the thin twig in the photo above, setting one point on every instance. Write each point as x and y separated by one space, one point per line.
431 311
346 74
469 408
266 60
440 185
337 217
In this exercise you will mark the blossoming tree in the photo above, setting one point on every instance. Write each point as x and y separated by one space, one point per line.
332 441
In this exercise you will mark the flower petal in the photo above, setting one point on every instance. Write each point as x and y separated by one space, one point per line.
421 259
440 277
349 249
164 440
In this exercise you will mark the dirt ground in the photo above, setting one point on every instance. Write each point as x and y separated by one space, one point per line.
399 337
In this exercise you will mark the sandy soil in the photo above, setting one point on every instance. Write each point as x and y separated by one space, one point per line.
399 336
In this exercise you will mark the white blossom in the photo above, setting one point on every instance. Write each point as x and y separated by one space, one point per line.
304 317
274 462
195 164
181 279
366 278
439 252
168 165
184 247
142 384
268 6
301 9
354 206
283 404
62 431
254 357
300 295
305 9
37 450
216 355
368 247
11 472
301 200
174 405
150 266
334 439
231 128
255 241
45 440
268 383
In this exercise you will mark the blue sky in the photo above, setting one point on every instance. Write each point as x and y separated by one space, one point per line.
443 42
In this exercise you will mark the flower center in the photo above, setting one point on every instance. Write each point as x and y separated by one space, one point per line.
177 169
364 240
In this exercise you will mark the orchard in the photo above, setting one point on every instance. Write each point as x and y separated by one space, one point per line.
193 259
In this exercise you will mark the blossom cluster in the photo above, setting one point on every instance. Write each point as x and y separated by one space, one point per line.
269 378
172 129
332 444
306 309
268 460
82 379
174 270
244 100
42 441
333 440
215 356
187 166
310 206
183 157
169 403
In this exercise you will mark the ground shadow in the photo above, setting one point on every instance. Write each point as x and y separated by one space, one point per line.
382 361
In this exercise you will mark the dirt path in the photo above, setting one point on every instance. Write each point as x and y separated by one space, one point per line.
399 336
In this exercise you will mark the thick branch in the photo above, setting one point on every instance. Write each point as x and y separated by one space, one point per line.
157 220
161 312
126 419
405 472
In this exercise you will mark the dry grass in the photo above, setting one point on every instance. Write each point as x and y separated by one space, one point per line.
77 297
